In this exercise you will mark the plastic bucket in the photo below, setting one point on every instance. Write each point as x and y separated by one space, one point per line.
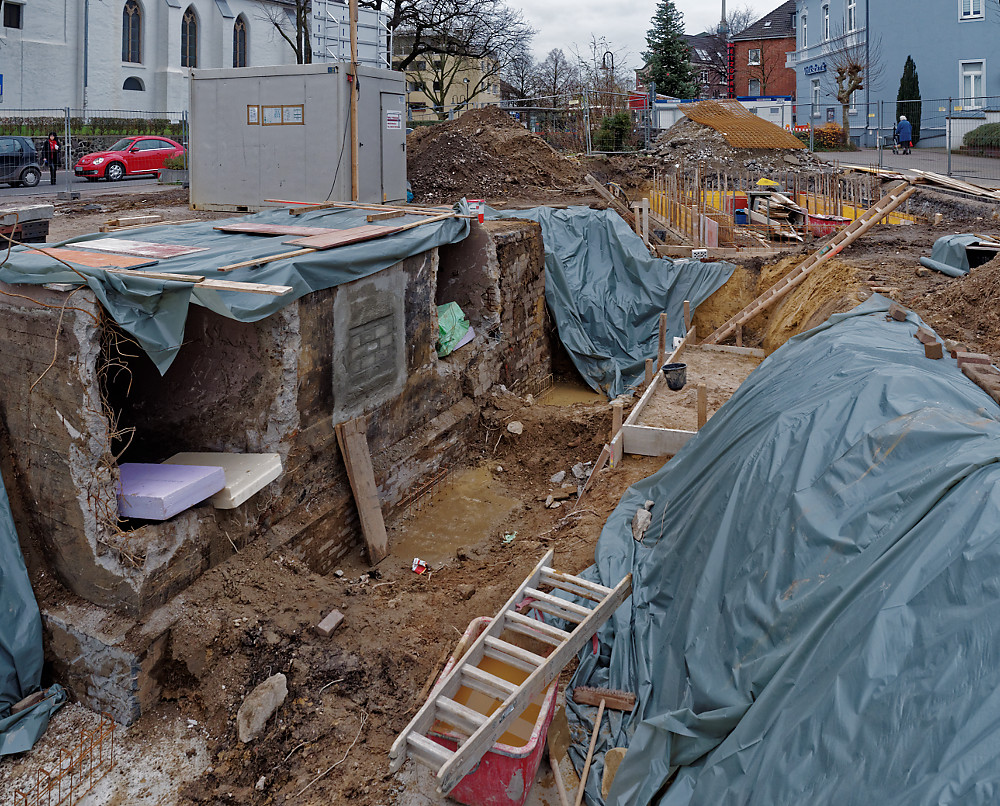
676 376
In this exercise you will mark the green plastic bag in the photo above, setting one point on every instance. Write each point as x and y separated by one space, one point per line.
452 327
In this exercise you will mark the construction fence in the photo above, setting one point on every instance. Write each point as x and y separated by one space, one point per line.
85 132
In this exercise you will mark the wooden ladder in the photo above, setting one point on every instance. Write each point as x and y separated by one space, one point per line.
479 730
834 246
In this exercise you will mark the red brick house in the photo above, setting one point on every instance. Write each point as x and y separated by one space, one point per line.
760 55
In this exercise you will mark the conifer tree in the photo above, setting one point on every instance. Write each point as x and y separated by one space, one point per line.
908 97
667 57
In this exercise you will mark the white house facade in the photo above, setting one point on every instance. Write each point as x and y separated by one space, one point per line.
121 55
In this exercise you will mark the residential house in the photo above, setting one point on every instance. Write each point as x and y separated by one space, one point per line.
952 43
110 55
759 55
440 86
707 54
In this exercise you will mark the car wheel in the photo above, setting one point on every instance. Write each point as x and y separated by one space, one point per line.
30 177
115 172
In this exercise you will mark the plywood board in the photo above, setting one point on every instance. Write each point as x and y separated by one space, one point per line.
122 246
92 259
647 441
342 237
358 459
275 229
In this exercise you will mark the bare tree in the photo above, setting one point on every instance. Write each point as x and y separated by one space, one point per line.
521 75
557 75
290 19
465 45
853 65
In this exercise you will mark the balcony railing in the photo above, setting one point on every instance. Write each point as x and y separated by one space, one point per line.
821 49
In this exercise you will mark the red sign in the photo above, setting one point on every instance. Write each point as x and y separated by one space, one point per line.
637 101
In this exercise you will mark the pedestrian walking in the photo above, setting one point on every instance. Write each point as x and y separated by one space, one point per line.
904 133
50 154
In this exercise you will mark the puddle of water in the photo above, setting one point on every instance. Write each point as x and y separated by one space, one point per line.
566 393
461 513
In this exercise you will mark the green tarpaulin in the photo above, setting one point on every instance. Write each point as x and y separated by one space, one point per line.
606 292
815 607
452 327
154 311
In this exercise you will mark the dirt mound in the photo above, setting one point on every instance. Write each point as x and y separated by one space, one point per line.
687 142
483 154
965 308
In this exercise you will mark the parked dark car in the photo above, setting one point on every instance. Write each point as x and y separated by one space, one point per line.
130 156
18 161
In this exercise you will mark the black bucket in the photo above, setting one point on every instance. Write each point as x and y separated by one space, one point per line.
676 375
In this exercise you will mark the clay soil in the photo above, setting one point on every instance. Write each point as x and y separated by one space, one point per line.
351 694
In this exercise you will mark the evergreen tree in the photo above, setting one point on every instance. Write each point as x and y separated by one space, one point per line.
667 57
908 97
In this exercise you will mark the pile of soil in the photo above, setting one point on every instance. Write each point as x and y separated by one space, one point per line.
965 308
484 154
687 142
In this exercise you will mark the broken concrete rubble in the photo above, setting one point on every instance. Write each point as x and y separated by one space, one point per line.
259 706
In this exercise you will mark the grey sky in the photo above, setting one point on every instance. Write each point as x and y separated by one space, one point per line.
561 23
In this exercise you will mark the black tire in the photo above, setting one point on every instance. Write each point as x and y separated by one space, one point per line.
115 172
30 177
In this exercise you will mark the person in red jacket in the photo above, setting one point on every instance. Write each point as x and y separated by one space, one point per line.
50 154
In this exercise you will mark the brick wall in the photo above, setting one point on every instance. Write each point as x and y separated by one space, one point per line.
774 77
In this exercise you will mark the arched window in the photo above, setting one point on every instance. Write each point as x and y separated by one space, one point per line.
240 42
131 32
134 84
189 38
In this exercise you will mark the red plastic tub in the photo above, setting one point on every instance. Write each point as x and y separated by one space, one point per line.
505 774
820 225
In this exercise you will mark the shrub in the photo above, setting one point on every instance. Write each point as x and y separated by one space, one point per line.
985 136
613 132
178 163
829 136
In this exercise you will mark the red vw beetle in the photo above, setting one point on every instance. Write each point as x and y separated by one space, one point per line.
130 156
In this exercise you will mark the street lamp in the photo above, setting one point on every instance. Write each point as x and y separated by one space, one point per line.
466 92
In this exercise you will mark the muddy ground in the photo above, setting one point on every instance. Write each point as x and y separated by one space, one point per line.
352 693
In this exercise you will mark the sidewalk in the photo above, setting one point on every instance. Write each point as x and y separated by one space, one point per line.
977 170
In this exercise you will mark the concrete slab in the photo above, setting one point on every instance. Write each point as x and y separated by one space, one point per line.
158 492
246 473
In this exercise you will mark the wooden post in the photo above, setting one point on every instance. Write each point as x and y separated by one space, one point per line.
617 448
687 315
352 72
739 335
649 372
661 355
702 406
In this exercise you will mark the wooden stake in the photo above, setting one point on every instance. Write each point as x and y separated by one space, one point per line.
590 754
353 443
687 315
739 335
617 443
352 72
649 373
661 354
702 406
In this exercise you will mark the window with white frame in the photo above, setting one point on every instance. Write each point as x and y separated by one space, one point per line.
852 15
805 32
973 82
754 56
826 23
970 9
754 87
815 97
852 105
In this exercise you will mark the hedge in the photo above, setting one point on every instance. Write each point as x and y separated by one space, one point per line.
985 136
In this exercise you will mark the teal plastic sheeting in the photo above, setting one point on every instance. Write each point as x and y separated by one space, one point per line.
606 292
815 607
154 311
20 645
950 256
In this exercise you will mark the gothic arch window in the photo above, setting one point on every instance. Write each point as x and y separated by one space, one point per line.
189 38
240 42
131 32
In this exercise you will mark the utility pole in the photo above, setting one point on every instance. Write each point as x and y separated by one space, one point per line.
353 82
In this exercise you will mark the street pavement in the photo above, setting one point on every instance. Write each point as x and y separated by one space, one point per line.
977 170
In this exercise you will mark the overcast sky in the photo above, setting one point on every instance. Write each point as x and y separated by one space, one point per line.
561 23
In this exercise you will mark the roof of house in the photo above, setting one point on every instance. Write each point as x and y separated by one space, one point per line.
700 47
779 24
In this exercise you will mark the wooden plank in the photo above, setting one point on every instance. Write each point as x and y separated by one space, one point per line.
616 427
110 228
357 458
311 207
489 684
460 716
615 698
661 352
515 651
756 352
217 285
428 750
645 440
124 246
557 579
131 221
343 237
268 259
92 260
537 629
548 598
273 229
383 216
702 406
479 743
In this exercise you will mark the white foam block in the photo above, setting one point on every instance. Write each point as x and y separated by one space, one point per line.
157 492
246 473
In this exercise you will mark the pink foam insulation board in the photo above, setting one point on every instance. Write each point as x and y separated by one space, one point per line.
158 492
246 473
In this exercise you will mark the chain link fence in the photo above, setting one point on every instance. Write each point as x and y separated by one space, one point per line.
81 133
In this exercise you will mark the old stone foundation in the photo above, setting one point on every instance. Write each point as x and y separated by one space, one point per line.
79 398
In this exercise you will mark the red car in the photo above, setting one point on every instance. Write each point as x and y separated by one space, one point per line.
130 156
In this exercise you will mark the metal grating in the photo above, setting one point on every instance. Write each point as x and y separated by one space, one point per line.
741 127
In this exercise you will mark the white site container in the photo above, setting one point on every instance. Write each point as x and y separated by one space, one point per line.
283 132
